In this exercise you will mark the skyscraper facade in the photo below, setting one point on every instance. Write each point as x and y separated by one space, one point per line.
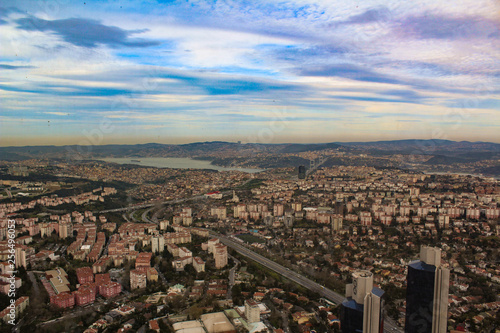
361 311
427 293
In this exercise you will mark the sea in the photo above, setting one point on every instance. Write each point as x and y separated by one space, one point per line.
176 163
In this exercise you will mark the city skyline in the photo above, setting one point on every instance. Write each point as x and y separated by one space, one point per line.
298 71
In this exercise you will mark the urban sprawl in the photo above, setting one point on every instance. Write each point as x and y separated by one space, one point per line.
101 247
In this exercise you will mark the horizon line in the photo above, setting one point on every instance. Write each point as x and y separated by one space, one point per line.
243 143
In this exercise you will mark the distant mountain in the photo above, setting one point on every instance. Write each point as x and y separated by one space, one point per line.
426 147
395 143
299 148
440 151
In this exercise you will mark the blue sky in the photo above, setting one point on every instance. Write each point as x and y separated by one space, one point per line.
99 72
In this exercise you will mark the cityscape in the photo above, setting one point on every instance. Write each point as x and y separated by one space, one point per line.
302 166
101 246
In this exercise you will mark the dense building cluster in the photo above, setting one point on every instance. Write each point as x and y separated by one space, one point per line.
358 227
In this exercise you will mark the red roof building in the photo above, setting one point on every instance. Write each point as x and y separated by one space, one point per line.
85 295
143 259
102 279
153 325
84 275
63 300
110 289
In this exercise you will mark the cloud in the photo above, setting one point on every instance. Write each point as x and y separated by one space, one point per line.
151 81
369 16
403 93
12 67
86 32
374 99
349 71
58 113
302 53
5 12
431 26
66 90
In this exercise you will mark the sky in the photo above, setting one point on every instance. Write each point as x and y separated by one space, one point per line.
127 72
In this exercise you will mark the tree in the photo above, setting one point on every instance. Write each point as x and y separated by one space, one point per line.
195 312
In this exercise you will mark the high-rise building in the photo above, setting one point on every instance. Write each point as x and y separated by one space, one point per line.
164 224
65 230
336 222
297 206
239 209
20 256
278 209
302 172
427 293
361 311
220 255
158 244
252 311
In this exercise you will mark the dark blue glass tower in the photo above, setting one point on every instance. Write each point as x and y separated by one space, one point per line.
351 316
427 293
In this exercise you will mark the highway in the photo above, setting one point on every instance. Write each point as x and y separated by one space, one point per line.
136 207
389 324
166 202
144 216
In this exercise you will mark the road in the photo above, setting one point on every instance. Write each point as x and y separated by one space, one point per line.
144 216
389 324
162 277
34 283
124 215
166 202
286 326
79 311
232 273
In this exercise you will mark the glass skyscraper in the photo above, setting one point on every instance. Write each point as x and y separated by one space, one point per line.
427 293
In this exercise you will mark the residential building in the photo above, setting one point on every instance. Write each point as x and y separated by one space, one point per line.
137 279
252 311
220 255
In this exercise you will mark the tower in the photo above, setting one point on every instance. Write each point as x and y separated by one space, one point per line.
361 311
302 172
427 293
157 244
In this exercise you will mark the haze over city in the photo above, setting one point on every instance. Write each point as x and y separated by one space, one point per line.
250 71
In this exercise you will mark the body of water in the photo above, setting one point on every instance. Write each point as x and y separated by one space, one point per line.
175 163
